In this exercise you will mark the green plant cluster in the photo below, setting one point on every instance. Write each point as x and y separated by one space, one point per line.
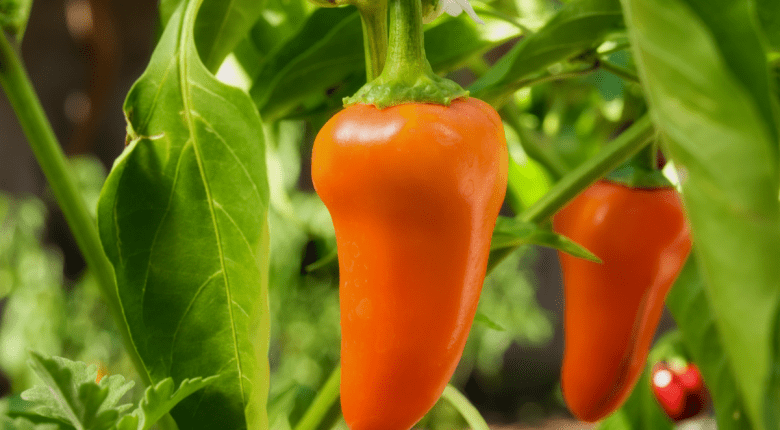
213 264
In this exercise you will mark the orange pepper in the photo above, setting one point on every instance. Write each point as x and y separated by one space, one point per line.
414 191
612 309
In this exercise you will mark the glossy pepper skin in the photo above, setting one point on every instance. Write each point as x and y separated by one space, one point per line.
414 191
612 309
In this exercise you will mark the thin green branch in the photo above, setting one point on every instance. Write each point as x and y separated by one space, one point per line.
325 399
631 141
550 77
466 409
20 92
619 71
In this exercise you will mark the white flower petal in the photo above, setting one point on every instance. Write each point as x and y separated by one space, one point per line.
454 7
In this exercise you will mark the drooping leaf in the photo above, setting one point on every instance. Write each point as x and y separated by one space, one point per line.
690 305
579 26
511 233
72 397
158 401
183 219
706 103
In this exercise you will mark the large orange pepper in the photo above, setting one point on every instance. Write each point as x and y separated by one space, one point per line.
612 309
414 191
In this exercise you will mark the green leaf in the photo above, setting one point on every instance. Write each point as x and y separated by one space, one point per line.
158 401
183 219
485 320
13 17
451 41
511 233
581 25
326 50
167 8
324 60
22 423
692 310
221 25
700 65
71 396
768 12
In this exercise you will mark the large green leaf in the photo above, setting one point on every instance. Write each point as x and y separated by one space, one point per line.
713 118
182 217
579 26
690 305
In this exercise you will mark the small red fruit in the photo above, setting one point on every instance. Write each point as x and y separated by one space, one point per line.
679 390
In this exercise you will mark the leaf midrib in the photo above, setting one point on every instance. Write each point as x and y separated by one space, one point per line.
185 89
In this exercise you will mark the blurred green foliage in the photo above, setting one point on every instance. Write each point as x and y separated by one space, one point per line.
43 311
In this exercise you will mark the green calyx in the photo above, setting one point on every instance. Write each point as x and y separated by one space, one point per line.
641 171
407 76
394 89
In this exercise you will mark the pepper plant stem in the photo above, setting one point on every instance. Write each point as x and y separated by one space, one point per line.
406 38
465 407
48 152
631 141
374 18
322 403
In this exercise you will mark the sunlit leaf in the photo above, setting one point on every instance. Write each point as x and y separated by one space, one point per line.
690 305
703 69
183 219
579 26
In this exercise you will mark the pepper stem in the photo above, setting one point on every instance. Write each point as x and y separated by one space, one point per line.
641 170
407 75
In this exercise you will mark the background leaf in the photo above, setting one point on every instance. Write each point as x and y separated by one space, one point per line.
324 60
690 305
183 220
579 26
719 134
